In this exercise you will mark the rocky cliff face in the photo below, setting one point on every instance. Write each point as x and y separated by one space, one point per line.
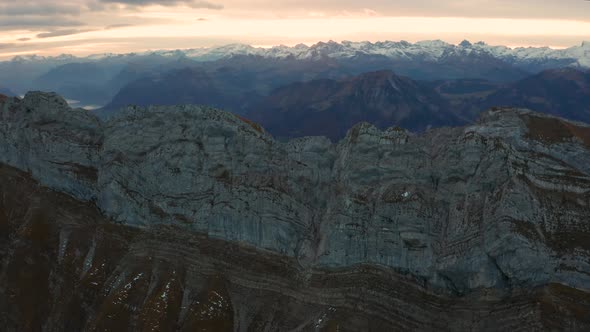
501 206
65 267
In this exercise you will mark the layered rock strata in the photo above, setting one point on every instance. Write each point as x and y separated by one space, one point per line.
501 205
65 267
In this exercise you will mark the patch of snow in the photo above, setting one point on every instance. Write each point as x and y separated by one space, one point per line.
63 244
89 259
164 295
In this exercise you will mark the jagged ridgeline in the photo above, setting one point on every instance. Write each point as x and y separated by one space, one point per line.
184 218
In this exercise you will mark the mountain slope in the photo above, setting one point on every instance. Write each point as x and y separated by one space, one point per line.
184 86
560 92
330 108
80 81
19 73
67 267
384 230
427 60
494 204
232 85
6 92
96 82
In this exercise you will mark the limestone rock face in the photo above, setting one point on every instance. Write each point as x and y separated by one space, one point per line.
503 203
65 267
58 145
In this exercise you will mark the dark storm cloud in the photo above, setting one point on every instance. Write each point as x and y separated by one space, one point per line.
190 3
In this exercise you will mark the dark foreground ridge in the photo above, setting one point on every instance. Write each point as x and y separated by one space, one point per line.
483 227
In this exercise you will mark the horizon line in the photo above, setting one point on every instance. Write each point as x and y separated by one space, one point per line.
25 54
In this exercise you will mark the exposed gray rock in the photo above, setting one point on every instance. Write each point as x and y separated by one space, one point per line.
498 204
65 267
60 146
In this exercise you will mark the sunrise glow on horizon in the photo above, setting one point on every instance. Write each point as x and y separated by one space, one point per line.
84 27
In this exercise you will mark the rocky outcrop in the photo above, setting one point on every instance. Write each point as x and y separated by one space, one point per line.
58 146
502 204
65 267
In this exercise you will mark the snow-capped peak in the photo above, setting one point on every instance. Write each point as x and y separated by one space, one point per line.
429 50
465 43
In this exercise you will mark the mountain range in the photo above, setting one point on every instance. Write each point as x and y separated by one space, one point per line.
183 218
95 80
323 89
331 106
184 86
435 50
561 92
349 186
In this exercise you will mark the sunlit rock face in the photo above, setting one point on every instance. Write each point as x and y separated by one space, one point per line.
499 207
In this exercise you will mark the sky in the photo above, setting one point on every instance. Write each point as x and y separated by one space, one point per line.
83 27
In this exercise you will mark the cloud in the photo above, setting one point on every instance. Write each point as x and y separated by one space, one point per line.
40 9
290 21
115 26
190 3
24 39
36 22
59 33
555 9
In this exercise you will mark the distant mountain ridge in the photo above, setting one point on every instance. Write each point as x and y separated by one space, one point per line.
330 107
184 86
96 79
560 92
6 92
433 50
